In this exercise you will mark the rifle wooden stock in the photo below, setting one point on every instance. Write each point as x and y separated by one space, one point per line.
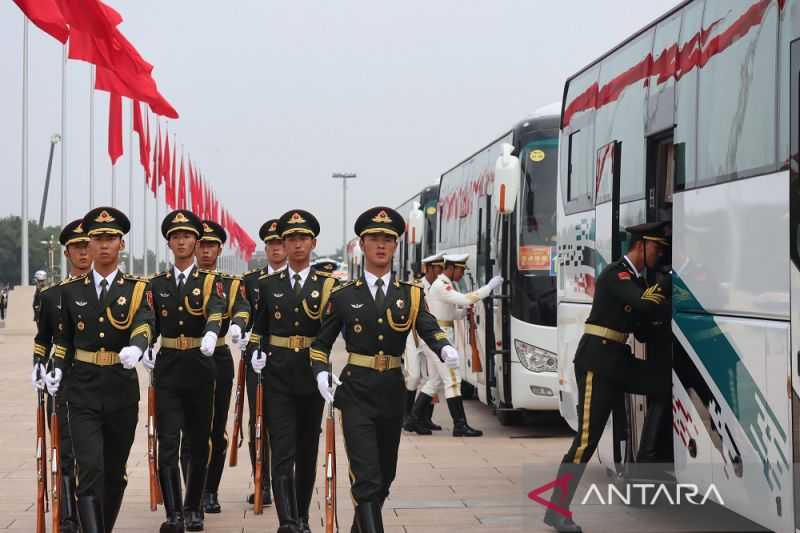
55 470
473 341
41 465
258 500
330 471
238 411
152 443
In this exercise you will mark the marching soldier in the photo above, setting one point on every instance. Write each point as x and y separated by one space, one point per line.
235 318
40 277
417 352
189 304
377 312
445 300
289 316
276 261
605 368
76 249
104 327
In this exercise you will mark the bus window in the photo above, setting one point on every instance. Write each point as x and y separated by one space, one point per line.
578 178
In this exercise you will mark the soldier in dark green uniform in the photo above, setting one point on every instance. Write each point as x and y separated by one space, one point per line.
76 249
605 368
189 304
104 327
275 252
378 312
289 317
236 316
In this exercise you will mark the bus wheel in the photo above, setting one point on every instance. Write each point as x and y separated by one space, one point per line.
507 417
468 391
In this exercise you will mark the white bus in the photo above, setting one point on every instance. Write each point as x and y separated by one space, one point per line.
694 119
412 249
516 331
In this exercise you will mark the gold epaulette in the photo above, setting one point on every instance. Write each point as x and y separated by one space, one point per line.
276 273
321 273
411 283
160 274
131 277
76 278
343 285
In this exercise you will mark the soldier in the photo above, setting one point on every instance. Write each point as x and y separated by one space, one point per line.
236 317
445 301
189 304
76 249
417 352
40 277
276 261
3 303
104 327
377 312
289 317
605 368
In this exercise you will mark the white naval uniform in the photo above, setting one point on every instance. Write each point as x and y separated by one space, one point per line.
443 301
417 351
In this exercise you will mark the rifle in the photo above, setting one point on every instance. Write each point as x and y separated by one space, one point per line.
41 463
473 341
152 442
238 410
258 500
55 468
330 467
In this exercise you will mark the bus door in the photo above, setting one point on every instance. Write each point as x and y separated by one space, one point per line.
479 319
794 253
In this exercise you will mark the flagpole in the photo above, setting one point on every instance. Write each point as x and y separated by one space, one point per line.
64 151
157 170
145 193
91 137
24 214
130 190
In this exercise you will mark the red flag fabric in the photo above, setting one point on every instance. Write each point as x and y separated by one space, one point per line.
114 127
169 191
47 16
154 174
143 140
173 176
182 188
192 188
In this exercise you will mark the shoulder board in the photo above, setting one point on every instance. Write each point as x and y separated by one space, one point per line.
265 276
159 275
131 277
253 272
226 275
204 271
343 285
411 283
73 280
46 287
325 274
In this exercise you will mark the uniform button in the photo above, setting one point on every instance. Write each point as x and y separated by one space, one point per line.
297 349
180 308
180 322
380 352
101 319
296 309
380 337
297 323
380 321
102 334
605 341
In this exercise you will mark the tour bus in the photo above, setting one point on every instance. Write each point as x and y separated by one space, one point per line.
694 120
353 258
514 365
417 242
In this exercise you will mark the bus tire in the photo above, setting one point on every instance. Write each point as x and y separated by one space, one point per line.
468 391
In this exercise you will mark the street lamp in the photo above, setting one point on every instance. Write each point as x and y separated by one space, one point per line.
344 176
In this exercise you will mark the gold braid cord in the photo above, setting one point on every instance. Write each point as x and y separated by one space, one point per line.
327 288
412 315
233 293
136 300
208 285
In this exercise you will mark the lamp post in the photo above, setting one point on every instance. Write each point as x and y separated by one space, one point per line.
344 176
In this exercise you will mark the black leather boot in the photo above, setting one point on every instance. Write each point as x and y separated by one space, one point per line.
112 502
460 426
368 517
658 409
428 422
192 501
418 413
286 505
171 492
561 523
193 520
409 403
69 505
91 512
211 503
266 496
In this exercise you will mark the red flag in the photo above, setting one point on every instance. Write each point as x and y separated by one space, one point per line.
154 174
173 176
143 140
182 188
169 192
114 127
200 197
192 186
47 16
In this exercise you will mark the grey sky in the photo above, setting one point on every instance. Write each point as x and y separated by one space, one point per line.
275 96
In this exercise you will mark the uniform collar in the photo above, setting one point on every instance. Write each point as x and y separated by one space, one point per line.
177 273
632 267
271 270
303 274
371 278
98 278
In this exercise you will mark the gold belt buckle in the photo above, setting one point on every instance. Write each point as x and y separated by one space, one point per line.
381 363
183 343
295 342
103 357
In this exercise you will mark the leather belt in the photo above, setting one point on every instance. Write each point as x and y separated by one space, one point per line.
99 358
606 333
445 323
379 362
186 343
295 342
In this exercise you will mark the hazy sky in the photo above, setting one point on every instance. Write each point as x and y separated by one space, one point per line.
275 96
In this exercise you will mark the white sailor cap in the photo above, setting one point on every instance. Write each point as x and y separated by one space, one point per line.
435 259
459 260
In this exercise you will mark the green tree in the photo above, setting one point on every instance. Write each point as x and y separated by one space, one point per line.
10 248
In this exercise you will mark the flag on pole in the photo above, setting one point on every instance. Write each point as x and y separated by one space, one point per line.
47 16
114 127
144 139
182 188
173 176
154 174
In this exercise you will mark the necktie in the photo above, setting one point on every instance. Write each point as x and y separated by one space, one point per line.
181 277
297 285
379 296
103 292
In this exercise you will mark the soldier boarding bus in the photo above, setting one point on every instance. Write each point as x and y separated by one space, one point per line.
694 121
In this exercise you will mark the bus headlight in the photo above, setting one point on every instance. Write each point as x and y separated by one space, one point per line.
534 358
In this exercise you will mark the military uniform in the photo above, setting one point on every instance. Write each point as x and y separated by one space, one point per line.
47 321
288 319
237 312
605 368
372 392
102 396
183 376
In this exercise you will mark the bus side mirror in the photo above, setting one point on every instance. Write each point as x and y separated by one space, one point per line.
507 175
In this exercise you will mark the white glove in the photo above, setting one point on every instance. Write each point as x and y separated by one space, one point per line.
450 356
209 343
129 356
495 282
258 361
236 333
149 359
325 390
37 376
244 342
52 380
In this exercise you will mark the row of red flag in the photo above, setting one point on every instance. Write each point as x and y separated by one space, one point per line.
90 26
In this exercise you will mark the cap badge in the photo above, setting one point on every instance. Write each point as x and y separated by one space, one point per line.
273 226
296 218
78 229
382 217
104 217
180 218
207 228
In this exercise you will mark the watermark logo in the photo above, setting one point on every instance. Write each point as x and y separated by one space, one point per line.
563 484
